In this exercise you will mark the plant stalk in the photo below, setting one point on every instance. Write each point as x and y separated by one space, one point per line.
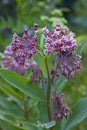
48 94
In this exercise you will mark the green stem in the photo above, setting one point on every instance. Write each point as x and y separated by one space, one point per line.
48 100
47 70
42 85
48 94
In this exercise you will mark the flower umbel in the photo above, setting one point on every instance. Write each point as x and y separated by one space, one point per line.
63 43
19 54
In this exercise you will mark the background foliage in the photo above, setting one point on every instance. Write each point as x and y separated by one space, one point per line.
14 16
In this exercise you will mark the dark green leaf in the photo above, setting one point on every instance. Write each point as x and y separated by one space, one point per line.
22 84
6 106
7 125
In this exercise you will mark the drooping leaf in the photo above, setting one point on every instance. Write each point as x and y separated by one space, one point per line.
22 84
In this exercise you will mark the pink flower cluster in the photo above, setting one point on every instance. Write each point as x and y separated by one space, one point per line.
19 54
63 43
59 40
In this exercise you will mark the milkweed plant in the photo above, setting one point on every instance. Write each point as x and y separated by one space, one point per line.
33 63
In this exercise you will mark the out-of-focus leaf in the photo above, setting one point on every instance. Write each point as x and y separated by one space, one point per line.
82 42
8 125
22 84
44 18
56 12
56 20
79 112
7 89
8 107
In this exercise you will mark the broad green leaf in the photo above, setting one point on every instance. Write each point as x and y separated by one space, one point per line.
8 117
8 107
8 89
79 113
8 125
22 84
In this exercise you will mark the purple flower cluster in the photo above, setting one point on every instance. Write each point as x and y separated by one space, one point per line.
59 107
18 56
63 43
59 40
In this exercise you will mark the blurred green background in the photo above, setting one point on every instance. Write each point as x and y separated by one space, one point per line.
17 14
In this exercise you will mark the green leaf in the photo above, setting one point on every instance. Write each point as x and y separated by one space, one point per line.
56 12
43 65
60 84
57 125
43 17
22 84
8 125
6 106
8 90
79 112
8 117
43 115
42 41
31 126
